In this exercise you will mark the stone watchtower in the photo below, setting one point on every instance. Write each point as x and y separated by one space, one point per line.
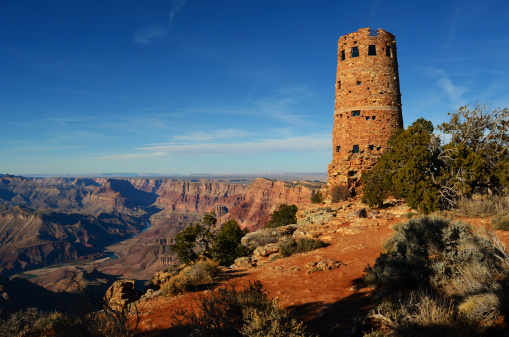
367 110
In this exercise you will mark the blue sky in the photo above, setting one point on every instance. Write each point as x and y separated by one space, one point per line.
240 86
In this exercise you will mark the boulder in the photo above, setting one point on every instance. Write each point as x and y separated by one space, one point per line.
266 250
325 264
265 236
358 213
121 293
316 216
243 263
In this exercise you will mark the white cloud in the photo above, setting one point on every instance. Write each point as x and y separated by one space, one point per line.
136 155
202 136
311 143
148 34
453 92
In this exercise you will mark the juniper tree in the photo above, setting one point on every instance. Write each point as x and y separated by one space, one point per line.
283 216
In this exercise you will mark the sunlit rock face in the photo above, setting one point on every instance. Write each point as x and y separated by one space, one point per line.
367 108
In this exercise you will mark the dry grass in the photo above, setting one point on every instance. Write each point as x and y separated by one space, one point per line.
201 272
483 207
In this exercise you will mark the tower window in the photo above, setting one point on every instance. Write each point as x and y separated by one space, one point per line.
356 149
372 50
367 118
359 82
388 51
370 147
373 117
342 55
339 84
338 148
355 51
356 113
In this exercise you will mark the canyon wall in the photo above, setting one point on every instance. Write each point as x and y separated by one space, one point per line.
73 219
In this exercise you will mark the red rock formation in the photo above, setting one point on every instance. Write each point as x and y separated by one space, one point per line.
202 196
263 197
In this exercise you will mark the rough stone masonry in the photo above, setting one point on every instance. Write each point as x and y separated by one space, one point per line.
367 108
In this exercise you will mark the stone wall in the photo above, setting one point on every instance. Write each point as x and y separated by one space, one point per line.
367 107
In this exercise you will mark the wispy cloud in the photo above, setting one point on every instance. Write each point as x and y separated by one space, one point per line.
454 24
137 155
213 135
156 32
453 92
310 143
149 34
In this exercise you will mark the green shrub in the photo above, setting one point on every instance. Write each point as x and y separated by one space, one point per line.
226 244
317 198
406 170
289 246
339 193
285 215
375 187
194 239
428 251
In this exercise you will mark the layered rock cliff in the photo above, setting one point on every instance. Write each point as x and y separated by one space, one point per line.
72 219
263 197
30 239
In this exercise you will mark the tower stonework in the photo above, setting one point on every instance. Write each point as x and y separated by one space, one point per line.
367 108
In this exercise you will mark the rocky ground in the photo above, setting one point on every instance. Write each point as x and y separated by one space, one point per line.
323 287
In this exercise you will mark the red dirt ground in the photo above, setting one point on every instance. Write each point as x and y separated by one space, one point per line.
328 301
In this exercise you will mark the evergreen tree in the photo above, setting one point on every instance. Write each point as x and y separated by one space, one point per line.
408 169
227 247
193 239
283 216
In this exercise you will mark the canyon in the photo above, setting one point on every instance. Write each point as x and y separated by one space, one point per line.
48 221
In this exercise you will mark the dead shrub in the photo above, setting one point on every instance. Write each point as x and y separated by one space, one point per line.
228 312
201 272
482 307
483 207
423 314
289 246
31 322
271 322
339 193
433 316
501 221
